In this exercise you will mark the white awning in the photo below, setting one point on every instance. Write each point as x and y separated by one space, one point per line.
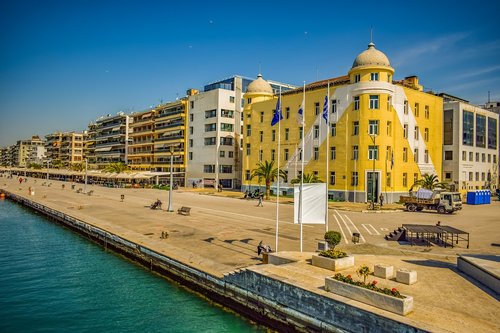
146 115
103 149
116 128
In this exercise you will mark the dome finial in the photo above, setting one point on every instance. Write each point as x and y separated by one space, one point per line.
371 38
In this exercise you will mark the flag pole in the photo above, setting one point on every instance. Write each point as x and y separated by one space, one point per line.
278 178
301 215
327 148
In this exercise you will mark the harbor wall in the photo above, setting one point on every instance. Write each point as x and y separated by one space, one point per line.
267 301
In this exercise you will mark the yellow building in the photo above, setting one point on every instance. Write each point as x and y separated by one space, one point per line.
377 126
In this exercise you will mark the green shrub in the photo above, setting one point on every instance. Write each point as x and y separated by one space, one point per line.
372 286
333 254
363 271
333 238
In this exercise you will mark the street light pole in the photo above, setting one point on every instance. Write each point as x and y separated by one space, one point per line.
47 170
170 208
85 186
373 137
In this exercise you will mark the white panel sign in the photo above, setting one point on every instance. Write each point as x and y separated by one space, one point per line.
313 203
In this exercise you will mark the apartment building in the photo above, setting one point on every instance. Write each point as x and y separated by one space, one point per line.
111 139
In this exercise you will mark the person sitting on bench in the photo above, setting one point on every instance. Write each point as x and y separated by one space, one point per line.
156 204
261 248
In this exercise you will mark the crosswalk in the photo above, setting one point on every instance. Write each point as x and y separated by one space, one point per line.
347 227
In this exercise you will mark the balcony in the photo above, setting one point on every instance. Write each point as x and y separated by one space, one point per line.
170 125
169 138
170 113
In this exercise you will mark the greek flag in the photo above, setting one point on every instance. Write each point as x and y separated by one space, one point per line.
325 109
277 113
300 114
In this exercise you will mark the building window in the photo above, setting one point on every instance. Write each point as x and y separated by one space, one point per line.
248 149
316 131
316 108
333 153
354 179
388 179
231 99
230 154
225 168
426 112
191 104
273 135
226 141
332 178
483 157
373 76
468 128
373 127
480 131
405 154
415 155
209 168
226 113
287 133
286 154
261 136
373 101
334 105
415 133
210 141
356 103
495 159
448 127
273 152
405 179
489 158
471 176
190 155
426 156
464 156
333 129
357 78
191 116
301 130
373 152
249 100
477 176
492 133
405 107
483 176
191 130
447 175
247 175
389 128
287 113
261 116
389 103
477 157
210 114
355 153
355 128
405 131
261 155
417 112
426 134
226 127
316 153
191 143
249 130
471 156
210 127
222 153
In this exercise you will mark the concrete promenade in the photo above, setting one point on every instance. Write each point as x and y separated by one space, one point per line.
222 233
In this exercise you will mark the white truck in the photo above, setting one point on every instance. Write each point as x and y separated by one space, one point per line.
440 201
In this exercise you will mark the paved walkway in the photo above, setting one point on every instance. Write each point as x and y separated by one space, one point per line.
222 233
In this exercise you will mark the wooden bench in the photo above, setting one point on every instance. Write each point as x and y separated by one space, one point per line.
184 210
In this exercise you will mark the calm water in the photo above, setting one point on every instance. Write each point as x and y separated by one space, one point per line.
52 280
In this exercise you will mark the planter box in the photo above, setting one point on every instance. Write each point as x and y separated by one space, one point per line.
401 306
332 264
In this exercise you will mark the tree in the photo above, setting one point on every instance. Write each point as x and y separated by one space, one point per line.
116 167
332 238
308 178
429 182
269 173
363 271
56 164
78 166
35 166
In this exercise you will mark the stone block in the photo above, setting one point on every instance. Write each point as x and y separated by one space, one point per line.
406 276
383 271
333 264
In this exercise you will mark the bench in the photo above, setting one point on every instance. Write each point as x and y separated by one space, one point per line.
184 210
90 192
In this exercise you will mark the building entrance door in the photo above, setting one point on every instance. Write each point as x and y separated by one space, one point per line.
372 186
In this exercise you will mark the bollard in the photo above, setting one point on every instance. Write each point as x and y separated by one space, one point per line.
122 197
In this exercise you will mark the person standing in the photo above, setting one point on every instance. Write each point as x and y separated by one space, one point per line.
260 204
381 198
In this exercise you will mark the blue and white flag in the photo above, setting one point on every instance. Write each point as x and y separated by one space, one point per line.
325 109
277 113
300 114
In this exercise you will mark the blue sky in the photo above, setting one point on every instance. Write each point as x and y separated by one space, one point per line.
64 63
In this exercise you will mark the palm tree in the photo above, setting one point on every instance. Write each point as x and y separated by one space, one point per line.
116 167
77 166
57 164
429 182
308 178
269 173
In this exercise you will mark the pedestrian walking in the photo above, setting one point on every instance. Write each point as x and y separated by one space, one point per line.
260 204
381 198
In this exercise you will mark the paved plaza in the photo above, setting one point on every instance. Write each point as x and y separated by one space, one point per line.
222 232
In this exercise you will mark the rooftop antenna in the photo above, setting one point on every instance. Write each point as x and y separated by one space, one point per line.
371 34
260 69
488 96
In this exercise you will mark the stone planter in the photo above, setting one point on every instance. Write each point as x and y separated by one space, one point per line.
332 264
400 306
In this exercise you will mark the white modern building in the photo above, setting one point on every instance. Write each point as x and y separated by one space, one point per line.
470 145
215 132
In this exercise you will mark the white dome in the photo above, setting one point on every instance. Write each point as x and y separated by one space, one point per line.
259 86
371 57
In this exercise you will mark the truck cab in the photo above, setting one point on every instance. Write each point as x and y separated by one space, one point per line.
449 202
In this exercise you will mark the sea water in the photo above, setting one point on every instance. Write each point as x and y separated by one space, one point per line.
53 280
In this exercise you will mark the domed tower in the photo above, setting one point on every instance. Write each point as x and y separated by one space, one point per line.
371 65
258 90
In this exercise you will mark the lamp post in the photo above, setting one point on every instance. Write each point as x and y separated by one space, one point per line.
170 208
47 170
373 137
85 185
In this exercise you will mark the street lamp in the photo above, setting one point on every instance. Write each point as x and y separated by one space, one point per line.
47 170
170 208
373 137
85 186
